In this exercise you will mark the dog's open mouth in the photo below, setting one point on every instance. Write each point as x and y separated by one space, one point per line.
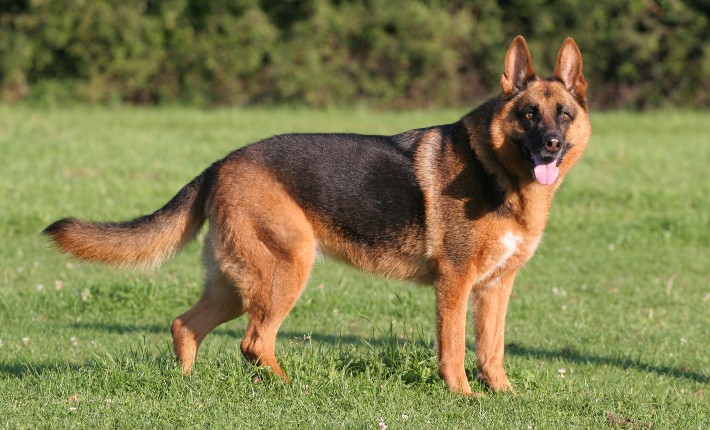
545 170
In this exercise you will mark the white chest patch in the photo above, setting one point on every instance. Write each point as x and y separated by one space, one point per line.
510 242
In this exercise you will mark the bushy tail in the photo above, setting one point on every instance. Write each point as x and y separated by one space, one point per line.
143 242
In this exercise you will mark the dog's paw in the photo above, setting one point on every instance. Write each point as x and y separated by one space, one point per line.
497 381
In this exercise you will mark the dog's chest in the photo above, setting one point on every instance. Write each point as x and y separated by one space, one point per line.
504 253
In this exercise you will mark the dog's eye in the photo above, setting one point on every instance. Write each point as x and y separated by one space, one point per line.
564 116
529 115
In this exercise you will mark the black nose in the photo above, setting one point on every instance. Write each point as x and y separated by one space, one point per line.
553 142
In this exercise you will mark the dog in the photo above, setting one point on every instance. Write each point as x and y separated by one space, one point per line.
461 206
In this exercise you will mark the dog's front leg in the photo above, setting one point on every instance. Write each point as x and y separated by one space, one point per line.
451 304
490 304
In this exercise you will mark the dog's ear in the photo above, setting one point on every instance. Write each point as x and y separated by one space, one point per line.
518 67
568 69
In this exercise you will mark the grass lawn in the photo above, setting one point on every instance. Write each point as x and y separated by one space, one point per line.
608 326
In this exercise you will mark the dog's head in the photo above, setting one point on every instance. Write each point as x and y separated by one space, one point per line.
543 125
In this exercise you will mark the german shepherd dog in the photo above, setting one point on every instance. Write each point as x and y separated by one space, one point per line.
461 206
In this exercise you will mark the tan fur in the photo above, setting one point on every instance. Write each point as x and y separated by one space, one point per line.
90 242
258 253
144 242
261 243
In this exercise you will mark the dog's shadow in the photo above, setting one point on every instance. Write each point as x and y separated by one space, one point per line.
515 349
570 355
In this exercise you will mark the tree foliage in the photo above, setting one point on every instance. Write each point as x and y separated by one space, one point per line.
391 53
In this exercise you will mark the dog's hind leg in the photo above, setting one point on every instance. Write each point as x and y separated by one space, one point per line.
264 244
277 256
279 290
220 302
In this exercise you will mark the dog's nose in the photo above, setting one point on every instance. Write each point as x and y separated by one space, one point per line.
553 142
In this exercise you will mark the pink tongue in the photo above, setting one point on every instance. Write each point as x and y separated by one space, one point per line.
545 173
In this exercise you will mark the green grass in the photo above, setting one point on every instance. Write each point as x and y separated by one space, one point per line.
617 295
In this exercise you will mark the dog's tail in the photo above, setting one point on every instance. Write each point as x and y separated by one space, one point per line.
143 242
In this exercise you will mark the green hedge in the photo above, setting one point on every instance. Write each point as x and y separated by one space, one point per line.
390 53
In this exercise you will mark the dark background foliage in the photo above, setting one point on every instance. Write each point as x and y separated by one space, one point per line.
386 53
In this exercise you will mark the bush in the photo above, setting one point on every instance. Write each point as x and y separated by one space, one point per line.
392 53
